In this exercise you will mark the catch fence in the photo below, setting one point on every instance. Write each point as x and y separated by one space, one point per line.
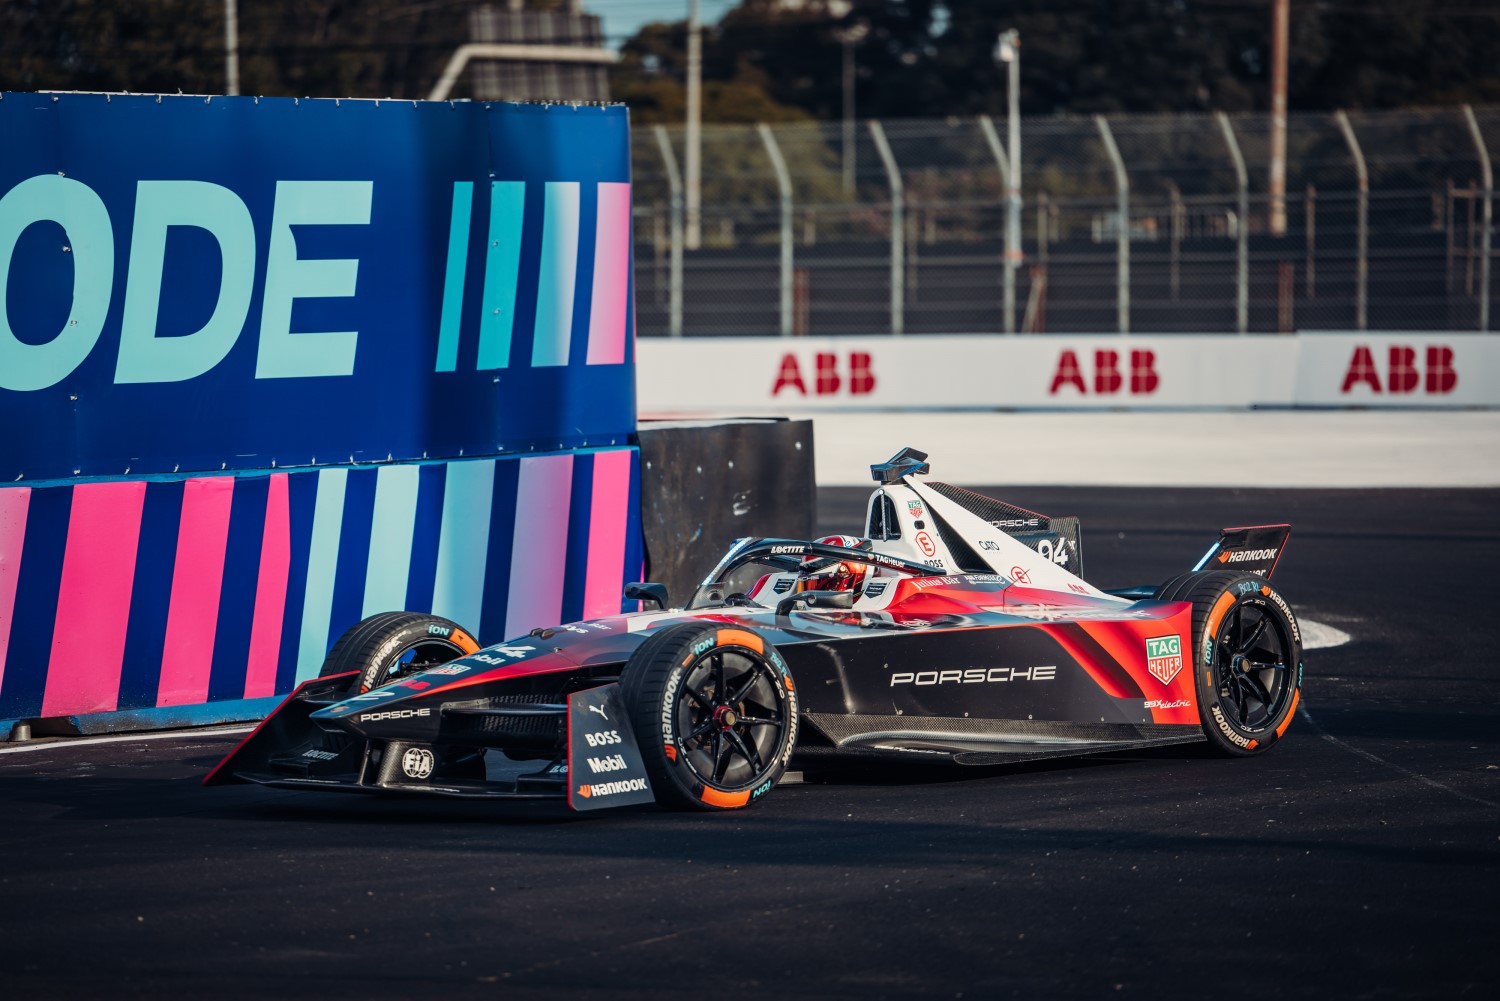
1128 223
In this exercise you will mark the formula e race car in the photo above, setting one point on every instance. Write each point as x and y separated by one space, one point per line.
956 630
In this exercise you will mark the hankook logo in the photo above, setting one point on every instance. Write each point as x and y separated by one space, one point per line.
1227 730
1245 555
611 788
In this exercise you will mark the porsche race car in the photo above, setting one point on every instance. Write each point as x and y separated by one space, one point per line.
957 629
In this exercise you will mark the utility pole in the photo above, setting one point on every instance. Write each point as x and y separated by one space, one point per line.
1280 19
231 48
694 157
850 37
1008 51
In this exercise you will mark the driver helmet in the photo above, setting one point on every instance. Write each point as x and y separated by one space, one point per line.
820 573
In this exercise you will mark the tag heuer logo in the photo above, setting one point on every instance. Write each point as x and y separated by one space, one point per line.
1164 657
915 507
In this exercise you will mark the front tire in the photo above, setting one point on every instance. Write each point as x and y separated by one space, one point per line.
714 711
1247 657
391 645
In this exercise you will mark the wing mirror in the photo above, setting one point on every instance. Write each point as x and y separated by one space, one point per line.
643 591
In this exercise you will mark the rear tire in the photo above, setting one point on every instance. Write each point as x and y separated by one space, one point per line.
1247 657
391 645
714 712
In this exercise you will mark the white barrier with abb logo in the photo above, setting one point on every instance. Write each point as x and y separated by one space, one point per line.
760 375
1424 370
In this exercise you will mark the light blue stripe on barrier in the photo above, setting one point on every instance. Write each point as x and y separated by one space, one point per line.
502 263
453 281
464 541
554 294
322 566
390 539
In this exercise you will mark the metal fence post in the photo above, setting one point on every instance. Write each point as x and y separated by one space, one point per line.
1486 175
898 227
784 183
1310 213
1362 259
1242 230
674 187
1174 235
1012 233
1122 241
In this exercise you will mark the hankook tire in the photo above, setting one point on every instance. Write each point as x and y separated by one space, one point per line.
714 711
1247 657
390 645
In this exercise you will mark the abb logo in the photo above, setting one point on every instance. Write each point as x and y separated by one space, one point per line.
1107 375
860 378
1402 374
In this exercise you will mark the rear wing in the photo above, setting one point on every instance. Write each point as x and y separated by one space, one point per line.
1255 548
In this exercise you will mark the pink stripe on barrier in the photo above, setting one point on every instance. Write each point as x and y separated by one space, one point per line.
14 503
540 548
270 593
93 599
197 577
611 296
608 511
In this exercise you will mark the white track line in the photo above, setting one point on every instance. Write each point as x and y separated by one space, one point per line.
125 738
1391 764
1319 636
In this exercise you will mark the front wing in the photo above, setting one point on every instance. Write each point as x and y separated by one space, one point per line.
595 744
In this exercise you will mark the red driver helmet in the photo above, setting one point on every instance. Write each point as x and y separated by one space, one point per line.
820 573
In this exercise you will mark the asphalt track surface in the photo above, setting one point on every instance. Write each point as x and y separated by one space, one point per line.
1359 858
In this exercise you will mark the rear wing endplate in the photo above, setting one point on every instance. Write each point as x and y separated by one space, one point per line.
1254 548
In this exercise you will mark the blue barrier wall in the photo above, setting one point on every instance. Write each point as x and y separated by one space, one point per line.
269 365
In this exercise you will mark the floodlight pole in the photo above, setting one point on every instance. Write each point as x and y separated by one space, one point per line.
1280 18
231 48
694 127
1008 51
1487 216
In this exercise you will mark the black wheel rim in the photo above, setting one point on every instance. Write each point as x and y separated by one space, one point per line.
731 717
414 659
1252 666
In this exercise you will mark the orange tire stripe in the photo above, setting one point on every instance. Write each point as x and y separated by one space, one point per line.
727 800
464 641
741 637
1211 628
1296 696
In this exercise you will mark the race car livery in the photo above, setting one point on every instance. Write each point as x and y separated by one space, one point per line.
958 630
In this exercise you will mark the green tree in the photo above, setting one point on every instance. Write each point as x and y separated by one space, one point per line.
921 58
